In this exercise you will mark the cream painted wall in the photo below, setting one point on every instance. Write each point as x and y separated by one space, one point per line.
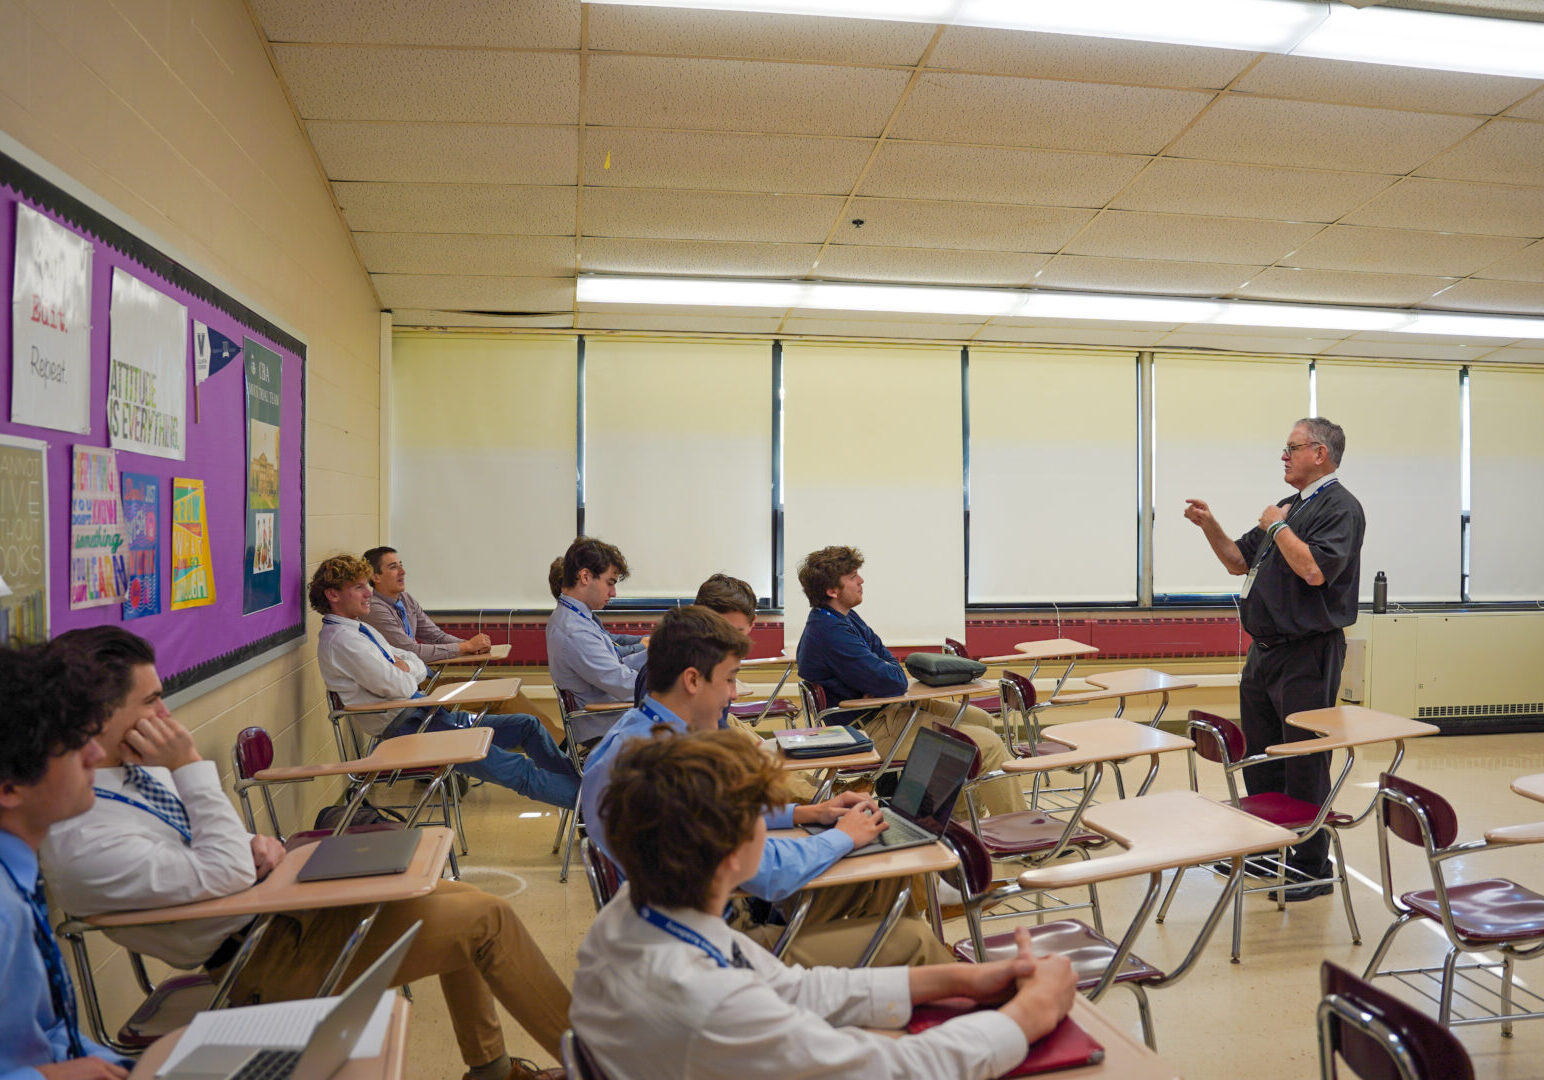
170 111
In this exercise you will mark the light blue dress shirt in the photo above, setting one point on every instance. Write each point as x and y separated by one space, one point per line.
786 865
30 1033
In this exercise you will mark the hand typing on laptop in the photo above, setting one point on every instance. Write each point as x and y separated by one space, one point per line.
854 813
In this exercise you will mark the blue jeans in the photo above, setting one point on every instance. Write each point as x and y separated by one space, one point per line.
542 772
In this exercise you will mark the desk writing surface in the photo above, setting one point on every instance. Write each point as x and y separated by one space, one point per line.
388 1065
862 760
1348 725
1532 833
1133 682
765 662
917 691
1530 787
279 891
608 706
1160 832
453 695
495 652
1053 649
421 751
1106 739
887 864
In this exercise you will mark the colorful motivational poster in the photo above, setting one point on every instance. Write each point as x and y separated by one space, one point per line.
23 540
264 369
192 567
50 325
141 524
98 573
147 371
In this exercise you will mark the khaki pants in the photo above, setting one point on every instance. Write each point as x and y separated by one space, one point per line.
1002 796
474 942
842 921
796 784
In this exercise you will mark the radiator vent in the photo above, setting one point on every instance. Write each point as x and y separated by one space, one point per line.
1433 712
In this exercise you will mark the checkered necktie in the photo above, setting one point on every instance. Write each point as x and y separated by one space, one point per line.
139 778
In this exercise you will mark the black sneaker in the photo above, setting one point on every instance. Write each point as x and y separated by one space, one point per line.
1251 869
1305 892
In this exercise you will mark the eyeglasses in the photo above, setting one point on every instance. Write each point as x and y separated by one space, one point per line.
1292 448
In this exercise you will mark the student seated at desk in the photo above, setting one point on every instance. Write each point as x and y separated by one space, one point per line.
48 753
839 653
627 644
582 658
361 668
162 832
402 620
665 989
694 657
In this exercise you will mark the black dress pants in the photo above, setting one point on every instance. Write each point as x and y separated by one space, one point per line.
1293 676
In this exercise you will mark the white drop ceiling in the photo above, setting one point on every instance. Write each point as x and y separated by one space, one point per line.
485 154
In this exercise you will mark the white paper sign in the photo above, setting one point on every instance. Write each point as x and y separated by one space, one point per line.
147 371
50 325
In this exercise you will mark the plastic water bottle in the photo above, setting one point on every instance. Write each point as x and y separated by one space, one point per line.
1380 593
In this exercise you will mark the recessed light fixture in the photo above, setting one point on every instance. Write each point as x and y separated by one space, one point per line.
1377 35
1043 304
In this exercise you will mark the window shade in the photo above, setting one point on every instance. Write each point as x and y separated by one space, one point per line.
1506 461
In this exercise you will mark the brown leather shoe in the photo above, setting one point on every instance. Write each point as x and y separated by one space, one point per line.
521 1069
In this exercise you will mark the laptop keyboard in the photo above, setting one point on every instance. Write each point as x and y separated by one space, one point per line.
268 1065
900 831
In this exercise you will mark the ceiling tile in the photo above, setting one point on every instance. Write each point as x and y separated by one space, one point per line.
457 253
861 263
680 324
446 153
1063 335
530 24
982 226
1524 265
860 328
681 32
1086 324
1189 238
1531 109
910 170
740 95
1245 342
435 317
1504 151
1450 206
1045 113
1180 186
711 161
475 293
1397 350
705 215
1518 297
1088 59
456 208
340 82
684 307
1339 287
1383 85
1389 337
1517 354
1396 251
1144 276
699 258
1266 131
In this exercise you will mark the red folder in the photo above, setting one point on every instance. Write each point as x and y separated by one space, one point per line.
1066 1047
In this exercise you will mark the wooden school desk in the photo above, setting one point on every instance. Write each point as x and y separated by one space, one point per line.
915 694
1130 683
828 767
280 892
477 661
761 662
1529 787
388 1065
1053 649
1346 727
908 862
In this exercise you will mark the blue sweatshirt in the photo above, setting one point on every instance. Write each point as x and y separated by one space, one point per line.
840 654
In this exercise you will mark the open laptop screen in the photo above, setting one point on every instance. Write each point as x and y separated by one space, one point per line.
930 784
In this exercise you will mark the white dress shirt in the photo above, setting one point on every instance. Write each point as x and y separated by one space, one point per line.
117 857
356 664
652 1007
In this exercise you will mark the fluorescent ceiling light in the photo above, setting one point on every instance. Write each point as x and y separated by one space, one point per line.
1043 304
1378 35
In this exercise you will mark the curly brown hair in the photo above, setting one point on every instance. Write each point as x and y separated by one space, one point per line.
678 805
338 572
596 556
824 569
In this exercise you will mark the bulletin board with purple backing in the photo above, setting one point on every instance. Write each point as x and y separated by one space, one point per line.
192 643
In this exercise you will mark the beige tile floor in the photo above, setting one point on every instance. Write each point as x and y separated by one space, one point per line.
1225 1021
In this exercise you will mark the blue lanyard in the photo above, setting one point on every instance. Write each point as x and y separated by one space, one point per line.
1304 502
187 837
590 616
368 637
59 990
684 933
571 606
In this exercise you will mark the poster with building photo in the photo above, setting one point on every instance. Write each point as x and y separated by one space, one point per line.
264 382
98 570
23 540
147 370
50 325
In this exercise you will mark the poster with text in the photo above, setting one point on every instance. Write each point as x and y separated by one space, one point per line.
147 370
264 373
141 525
98 572
192 567
50 325
23 540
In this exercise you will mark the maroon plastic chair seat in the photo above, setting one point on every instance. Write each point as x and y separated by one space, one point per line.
1281 809
1028 831
781 709
992 703
1089 951
1491 910
171 1005
1436 1052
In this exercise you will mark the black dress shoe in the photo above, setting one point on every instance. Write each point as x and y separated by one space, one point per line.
1251 869
1304 892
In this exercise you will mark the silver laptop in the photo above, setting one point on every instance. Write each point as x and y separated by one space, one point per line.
331 1041
931 781
363 854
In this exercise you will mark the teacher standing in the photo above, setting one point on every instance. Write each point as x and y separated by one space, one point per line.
1303 562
